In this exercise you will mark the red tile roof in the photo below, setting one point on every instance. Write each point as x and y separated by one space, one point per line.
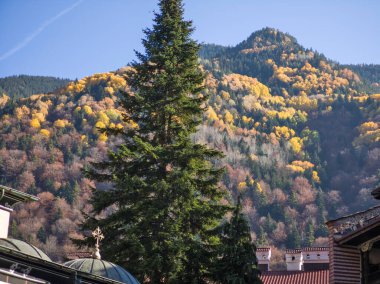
295 277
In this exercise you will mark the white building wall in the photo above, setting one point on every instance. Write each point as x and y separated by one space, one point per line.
294 261
4 221
315 256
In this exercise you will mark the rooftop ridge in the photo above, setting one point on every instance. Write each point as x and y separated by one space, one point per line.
263 249
315 249
293 250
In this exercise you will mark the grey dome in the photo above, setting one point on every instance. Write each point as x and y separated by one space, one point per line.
23 247
102 268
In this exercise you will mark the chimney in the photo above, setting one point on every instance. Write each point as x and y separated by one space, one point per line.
315 258
293 259
263 255
8 198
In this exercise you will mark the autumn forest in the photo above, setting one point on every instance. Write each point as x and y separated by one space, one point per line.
300 135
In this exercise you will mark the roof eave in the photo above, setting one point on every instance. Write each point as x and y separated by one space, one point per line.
376 193
11 196
350 215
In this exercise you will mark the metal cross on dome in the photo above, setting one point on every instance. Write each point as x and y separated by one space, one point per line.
98 236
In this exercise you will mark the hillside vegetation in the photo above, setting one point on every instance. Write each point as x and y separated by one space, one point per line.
24 86
300 136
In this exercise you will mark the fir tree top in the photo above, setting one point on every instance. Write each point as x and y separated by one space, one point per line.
167 79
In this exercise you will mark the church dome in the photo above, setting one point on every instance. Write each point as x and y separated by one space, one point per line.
23 247
102 268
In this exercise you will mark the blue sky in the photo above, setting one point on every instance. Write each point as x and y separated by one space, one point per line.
76 38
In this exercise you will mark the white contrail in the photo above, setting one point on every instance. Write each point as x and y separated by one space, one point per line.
44 25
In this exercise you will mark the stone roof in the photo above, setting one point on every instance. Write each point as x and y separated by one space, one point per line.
23 247
49 268
354 223
295 277
102 268
10 196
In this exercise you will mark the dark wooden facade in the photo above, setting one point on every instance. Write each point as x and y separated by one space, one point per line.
354 242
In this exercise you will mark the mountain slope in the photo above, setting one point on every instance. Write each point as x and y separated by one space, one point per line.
301 141
370 75
278 61
24 86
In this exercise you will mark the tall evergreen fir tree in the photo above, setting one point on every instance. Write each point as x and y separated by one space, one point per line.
164 200
309 238
237 263
294 237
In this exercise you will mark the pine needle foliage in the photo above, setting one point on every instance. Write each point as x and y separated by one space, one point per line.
237 263
164 198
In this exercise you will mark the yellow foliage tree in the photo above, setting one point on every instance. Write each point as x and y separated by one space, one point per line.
315 177
76 87
35 123
100 124
88 110
246 120
22 111
242 186
228 117
296 144
368 126
103 137
308 68
368 138
295 169
119 126
3 100
303 103
102 116
303 164
284 132
45 132
109 90
225 95
259 188
39 116
211 114
61 123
